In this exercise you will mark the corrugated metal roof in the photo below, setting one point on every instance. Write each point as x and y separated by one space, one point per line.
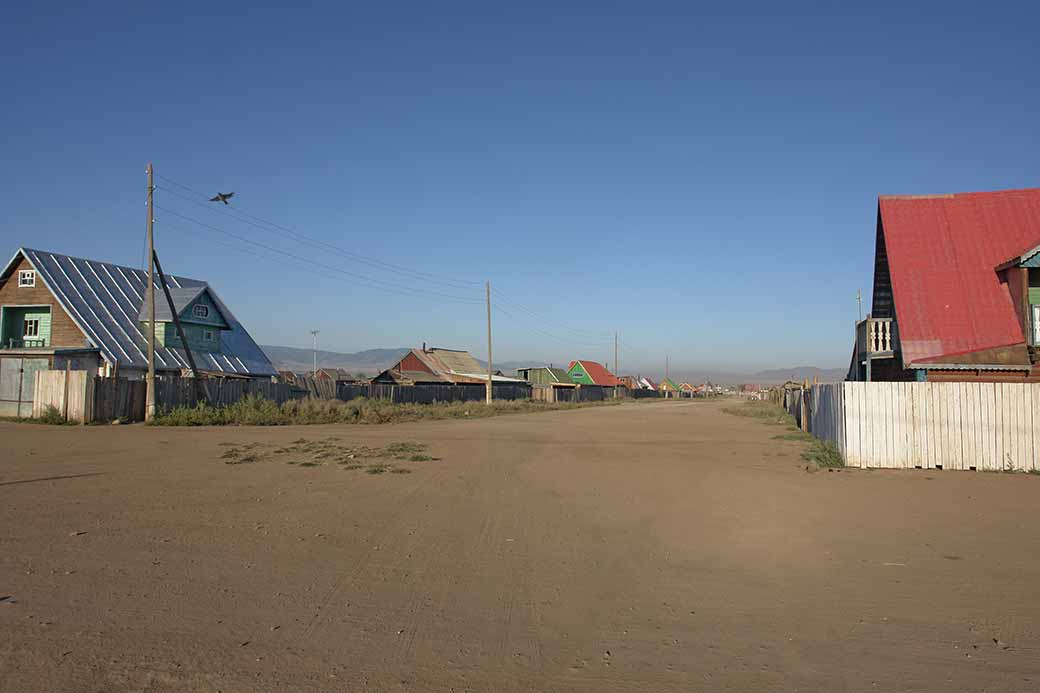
943 252
181 296
599 374
104 300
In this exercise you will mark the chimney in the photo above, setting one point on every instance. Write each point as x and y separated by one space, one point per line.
424 347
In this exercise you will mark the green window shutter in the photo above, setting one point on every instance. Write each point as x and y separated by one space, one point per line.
1034 295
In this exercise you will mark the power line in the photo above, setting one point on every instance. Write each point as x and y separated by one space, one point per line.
565 340
370 281
587 334
270 227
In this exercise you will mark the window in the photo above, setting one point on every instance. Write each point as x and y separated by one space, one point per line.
26 279
207 335
1036 325
200 311
31 328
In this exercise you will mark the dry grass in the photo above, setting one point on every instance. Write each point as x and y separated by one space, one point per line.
255 411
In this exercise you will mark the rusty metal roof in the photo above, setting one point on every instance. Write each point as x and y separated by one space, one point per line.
943 253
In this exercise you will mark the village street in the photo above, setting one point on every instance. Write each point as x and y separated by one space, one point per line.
642 547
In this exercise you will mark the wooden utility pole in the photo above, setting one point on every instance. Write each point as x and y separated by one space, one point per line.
617 371
149 398
490 385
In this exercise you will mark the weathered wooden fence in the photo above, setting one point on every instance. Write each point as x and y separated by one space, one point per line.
428 394
173 392
980 426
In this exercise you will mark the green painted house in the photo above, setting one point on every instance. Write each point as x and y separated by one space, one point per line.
542 375
200 318
591 373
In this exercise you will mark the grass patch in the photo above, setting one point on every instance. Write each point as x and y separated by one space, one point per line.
256 411
51 417
800 436
766 412
400 470
376 469
823 454
421 458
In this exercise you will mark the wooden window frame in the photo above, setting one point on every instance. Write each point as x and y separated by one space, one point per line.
203 313
27 279
25 328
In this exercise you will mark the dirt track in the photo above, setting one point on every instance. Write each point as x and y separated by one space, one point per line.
646 547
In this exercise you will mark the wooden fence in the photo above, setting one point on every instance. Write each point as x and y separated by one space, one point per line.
173 392
428 394
971 426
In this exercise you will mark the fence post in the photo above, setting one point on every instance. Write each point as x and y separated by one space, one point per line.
65 399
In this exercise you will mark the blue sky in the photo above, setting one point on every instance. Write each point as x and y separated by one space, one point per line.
701 178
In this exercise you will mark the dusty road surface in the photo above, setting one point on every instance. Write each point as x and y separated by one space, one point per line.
644 547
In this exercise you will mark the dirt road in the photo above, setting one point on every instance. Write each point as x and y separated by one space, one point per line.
648 547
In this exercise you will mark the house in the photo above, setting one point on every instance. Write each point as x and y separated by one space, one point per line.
445 366
591 373
545 376
956 292
647 384
630 382
667 385
58 311
335 375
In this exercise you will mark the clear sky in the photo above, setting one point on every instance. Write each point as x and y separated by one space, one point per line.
700 177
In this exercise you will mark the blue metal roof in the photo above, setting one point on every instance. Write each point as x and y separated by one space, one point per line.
104 300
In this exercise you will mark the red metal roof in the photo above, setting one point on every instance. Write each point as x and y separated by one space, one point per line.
943 251
599 374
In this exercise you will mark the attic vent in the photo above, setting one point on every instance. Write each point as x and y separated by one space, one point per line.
26 278
200 311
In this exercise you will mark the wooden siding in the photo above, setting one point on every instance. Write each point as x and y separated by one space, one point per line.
413 363
980 426
64 332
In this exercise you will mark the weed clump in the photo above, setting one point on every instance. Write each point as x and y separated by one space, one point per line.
762 410
823 454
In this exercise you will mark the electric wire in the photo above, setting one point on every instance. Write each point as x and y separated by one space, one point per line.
271 227
359 278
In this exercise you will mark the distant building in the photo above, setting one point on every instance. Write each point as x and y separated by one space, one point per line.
956 290
543 375
667 385
591 373
434 365
647 384
336 375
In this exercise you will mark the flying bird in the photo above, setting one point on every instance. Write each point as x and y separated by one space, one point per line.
222 197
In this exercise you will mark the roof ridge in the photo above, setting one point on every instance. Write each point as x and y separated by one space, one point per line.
942 196
104 262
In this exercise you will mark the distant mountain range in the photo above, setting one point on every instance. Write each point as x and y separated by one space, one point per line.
369 362
373 361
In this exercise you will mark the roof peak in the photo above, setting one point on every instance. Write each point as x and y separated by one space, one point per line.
946 196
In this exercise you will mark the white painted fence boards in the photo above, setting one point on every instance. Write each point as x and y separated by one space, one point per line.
986 426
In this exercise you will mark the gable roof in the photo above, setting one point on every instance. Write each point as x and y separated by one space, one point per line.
943 253
183 296
598 374
443 365
104 300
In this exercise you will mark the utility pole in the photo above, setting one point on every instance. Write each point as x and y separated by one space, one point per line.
314 333
617 371
859 300
149 412
489 382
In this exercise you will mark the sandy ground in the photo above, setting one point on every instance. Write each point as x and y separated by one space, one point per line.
648 547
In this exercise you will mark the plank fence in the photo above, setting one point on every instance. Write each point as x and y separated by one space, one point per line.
969 426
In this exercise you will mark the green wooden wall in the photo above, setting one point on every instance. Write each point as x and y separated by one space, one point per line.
166 335
13 323
578 375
